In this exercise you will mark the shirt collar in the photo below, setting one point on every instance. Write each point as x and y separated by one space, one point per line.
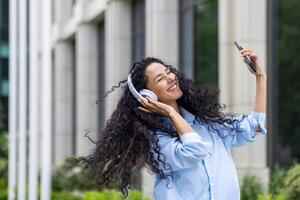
189 117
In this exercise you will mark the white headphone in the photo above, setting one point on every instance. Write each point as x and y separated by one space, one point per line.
142 93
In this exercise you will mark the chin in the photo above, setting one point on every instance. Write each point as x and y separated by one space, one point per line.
171 97
178 96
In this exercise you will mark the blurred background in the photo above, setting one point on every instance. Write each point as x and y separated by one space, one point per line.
58 57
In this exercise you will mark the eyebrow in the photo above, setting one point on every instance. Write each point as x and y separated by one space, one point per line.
160 74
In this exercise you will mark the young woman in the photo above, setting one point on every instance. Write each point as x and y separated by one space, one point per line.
184 137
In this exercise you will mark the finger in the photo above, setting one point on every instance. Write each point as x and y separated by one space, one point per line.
153 103
144 109
150 100
246 53
149 106
150 110
141 101
245 50
253 55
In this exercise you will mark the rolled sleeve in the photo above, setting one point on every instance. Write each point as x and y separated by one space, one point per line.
183 153
259 122
247 129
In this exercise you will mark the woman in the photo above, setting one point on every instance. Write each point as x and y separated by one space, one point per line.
184 137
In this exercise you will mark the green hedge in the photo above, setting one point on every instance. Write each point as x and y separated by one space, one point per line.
71 176
95 195
3 165
64 196
284 185
251 188
291 186
3 194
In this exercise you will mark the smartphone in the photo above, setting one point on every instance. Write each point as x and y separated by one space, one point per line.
246 59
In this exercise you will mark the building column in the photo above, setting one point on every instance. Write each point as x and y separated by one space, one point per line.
87 87
62 11
162 41
118 49
64 109
162 30
237 84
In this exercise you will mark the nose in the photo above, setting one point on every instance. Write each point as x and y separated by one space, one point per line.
171 78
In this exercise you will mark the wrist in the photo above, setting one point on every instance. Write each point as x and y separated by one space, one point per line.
172 114
261 76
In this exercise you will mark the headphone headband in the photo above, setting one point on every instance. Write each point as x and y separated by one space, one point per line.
142 93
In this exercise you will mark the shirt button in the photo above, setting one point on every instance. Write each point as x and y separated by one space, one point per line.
209 155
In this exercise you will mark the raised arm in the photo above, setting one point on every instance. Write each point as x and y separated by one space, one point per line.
261 81
261 93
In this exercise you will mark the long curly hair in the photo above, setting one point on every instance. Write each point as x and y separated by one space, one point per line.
129 141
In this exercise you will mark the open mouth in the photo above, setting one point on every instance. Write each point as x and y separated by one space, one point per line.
173 87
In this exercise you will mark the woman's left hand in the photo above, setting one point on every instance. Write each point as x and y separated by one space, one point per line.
156 107
255 62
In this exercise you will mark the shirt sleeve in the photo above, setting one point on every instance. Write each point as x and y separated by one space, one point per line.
246 130
182 153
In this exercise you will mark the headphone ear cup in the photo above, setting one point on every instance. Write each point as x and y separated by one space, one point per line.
148 93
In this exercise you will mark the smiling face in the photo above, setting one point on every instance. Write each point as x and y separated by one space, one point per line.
163 83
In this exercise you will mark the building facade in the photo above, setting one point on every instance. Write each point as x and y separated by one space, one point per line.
95 42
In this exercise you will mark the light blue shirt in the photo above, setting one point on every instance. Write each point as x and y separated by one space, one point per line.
202 164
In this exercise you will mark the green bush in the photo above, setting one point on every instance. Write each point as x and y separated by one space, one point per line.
291 187
277 181
105 194
3 173
3 194
4 145
135 195
64 196
270 197
3 159
113 195
251 188
71 176
3 165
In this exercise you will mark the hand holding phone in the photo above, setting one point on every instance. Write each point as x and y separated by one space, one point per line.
247 60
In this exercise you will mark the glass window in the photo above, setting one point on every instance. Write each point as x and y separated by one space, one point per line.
102 73
138 53
4 77
4 50
72 7
4 12
73 43
287 59
138 29
199 41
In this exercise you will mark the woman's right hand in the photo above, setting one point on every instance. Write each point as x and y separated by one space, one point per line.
156 107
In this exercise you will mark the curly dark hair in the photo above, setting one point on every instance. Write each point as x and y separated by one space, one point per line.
129 141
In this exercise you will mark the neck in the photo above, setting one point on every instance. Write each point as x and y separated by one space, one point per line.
175 106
